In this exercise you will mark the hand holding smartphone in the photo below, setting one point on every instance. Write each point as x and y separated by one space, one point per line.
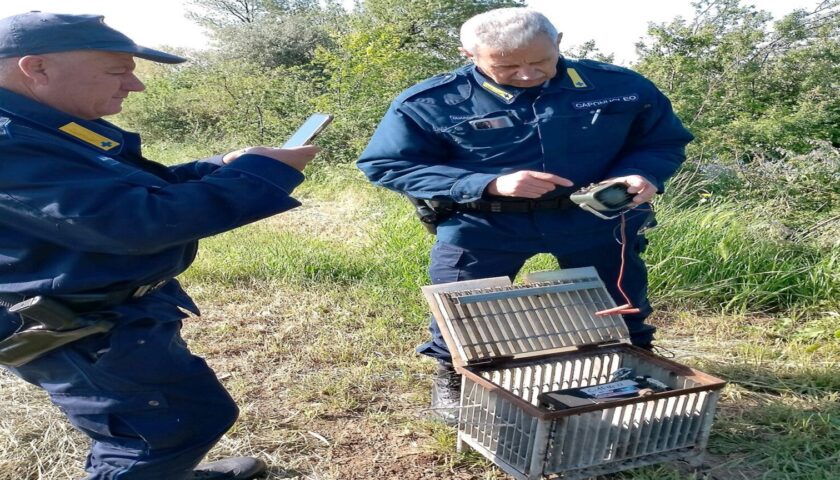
290 153
307 132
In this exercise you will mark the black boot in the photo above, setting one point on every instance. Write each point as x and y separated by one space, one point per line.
446 394
641 335
236 468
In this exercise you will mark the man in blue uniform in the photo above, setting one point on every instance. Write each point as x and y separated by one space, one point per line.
496 147
91 236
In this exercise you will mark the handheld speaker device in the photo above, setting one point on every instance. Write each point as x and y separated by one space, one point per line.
604 200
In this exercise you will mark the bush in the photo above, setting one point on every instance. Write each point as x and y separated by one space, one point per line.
798 197
235 101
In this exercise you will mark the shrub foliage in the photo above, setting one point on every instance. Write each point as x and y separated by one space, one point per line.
760 188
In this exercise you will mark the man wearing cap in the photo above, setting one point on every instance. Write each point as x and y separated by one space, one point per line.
91 236
497 146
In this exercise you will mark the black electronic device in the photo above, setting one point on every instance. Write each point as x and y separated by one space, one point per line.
583 396
313 125
604 199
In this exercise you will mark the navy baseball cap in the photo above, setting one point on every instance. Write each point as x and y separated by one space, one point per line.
34 33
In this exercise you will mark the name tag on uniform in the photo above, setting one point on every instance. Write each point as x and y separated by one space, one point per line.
491 123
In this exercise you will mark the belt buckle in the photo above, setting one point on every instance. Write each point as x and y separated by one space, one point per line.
144 289
141 290
496 207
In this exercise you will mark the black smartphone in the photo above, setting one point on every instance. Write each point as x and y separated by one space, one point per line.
313 125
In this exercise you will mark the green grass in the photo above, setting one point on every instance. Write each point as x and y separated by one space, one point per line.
784 360
311 318
259 254
717 257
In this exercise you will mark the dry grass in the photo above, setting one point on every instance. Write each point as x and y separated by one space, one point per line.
330 388
35 439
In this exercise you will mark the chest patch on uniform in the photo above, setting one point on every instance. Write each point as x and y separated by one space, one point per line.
89 136
600 102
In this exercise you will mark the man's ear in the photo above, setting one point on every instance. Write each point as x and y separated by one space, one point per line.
559 39
34 68
466 53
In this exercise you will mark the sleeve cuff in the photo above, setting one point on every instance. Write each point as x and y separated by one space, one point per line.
471 187
215 160
268 170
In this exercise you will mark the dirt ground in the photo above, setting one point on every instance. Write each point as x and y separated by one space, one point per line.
284 384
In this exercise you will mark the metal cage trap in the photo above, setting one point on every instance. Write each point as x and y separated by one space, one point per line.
542 394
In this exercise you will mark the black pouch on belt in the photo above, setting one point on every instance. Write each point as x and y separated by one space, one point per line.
47 325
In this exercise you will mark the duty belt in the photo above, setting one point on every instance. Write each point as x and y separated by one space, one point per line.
87 301
50 322
514 206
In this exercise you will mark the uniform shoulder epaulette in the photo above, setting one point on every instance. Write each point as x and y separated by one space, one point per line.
596 65
427 85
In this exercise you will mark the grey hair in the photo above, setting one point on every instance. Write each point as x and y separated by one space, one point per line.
505 29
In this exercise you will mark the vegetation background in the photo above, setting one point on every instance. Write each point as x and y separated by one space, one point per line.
311 317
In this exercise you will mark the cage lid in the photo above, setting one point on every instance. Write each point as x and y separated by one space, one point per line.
491 319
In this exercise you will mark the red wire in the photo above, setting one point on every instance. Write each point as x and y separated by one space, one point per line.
628 307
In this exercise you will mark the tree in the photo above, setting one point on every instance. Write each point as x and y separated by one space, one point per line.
431 25
219 13
229 102
385 47
285 40
588 49
215 14
761 98
744 88
268 33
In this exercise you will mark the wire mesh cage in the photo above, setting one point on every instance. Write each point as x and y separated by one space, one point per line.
514 344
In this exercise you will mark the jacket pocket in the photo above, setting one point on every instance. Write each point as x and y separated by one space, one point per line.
138 421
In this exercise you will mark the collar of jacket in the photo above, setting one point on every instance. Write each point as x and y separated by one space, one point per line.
568 78
98 135
505 93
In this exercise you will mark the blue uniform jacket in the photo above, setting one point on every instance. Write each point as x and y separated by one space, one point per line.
81 211
591 122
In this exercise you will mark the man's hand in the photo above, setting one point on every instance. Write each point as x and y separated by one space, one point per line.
637 184
295 157
526 184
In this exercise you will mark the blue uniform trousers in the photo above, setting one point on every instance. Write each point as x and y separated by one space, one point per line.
451 263
152 408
